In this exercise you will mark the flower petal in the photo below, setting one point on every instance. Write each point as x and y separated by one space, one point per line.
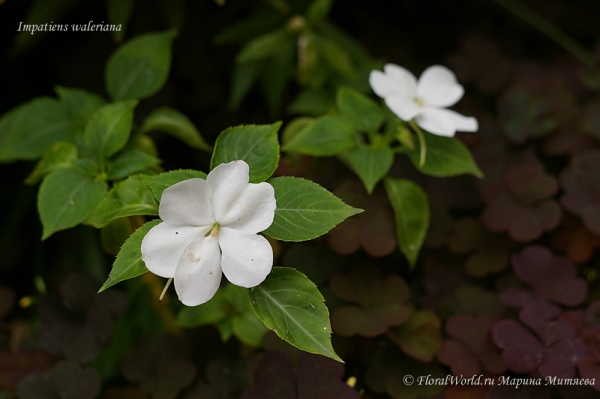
438 87
247 258
198 272
392 84
403 76
187 203
404 107
164 244
227 181
253 211
462 123
436 121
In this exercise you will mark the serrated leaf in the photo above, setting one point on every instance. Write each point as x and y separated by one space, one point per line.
445 157
130 197
257 145
305 210
129 263
28 131
140 67
128 162
264 46
325 136
290 304
109 128
411 209
176 124
365 114
370 164
161 182
61 155
66 198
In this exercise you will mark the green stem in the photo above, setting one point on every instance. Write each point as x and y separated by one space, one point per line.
547 28
422 144
164 291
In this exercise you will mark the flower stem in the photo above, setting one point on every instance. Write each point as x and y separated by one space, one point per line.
551 31
164 291
422 144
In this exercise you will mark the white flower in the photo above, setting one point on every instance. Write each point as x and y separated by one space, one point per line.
424 100
210 227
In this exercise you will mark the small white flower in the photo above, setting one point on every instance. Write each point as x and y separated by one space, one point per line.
424 100
210 227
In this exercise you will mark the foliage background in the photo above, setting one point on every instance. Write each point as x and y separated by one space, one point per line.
492 52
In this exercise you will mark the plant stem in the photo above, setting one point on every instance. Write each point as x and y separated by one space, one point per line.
164 291
547 28
422 144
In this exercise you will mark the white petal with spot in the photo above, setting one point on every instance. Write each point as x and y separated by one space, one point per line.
198 272
163 245
247 258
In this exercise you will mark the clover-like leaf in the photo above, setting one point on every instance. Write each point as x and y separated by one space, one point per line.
582 190
521 204
372 230
419 336
379 302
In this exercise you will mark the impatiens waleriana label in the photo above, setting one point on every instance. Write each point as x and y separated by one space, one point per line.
424 100
210 228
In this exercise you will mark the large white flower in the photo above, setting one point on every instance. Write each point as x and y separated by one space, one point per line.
424 100
210 227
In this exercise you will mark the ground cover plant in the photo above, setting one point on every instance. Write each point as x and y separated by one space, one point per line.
299 199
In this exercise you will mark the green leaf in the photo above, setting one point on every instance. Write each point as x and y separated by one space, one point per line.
140 67
66 198
128 162
248 328
337 58
176 124
265 46
292 306
318 11
325 136
364 113
411 208
370 164
160 182
129 263
210 312
28 131
109 128
80 104
312 102
61 155
294 127
114 234
119 13
445 157
257 145
130 197
305 210
253 26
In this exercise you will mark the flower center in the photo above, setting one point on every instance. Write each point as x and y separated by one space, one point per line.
215 229
420 102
